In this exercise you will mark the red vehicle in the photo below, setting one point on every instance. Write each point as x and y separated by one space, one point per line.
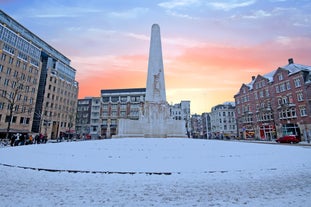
288 139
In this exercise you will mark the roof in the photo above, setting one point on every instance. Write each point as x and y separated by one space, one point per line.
294 68
291 68
126 90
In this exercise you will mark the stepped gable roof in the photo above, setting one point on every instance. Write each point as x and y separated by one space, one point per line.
269 75
250 84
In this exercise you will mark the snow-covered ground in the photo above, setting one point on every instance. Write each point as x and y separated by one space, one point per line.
155 172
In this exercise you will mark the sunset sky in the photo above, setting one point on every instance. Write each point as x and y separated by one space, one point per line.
210 47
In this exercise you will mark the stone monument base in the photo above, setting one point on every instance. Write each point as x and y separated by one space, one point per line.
139 128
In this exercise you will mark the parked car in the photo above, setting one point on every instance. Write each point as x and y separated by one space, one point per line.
288 139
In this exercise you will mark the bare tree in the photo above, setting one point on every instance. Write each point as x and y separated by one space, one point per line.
16 99
71 114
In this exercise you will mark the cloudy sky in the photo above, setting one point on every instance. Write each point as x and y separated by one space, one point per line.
210 48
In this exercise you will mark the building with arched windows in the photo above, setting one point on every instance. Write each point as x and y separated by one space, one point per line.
276 104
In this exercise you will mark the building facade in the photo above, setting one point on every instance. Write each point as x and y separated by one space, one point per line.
83 118
37 81
196 126
276 104
128 103
120 103
181 111
223 121
95 130
88 118
20 68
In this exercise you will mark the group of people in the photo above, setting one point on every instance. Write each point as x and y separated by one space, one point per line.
25 139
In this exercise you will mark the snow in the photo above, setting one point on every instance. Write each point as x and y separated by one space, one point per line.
156 172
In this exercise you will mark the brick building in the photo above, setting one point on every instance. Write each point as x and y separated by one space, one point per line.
276 104
120 103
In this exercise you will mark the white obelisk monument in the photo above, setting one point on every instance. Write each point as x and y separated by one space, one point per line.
155 90
156 108
155 121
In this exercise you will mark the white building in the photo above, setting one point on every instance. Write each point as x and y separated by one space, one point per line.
95 121
181 111
223 122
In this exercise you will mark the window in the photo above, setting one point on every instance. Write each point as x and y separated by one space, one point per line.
114 98
282 87
280 76
297 82
123 107
269 104
123 98
4 93
114 106
11 60
3 57
299 96
18 63
262 105
13 84
288 86
6 82
267 93
8 49
284 100
290 99
15 74
303 111
24 65
256 95
8 119
277 90
94 128
8 71
287 113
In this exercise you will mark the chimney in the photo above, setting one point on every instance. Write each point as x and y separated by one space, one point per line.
253 77
290 61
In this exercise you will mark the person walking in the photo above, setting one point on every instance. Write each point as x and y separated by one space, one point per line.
17 140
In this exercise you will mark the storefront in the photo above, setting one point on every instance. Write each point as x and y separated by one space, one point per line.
267 132
291 129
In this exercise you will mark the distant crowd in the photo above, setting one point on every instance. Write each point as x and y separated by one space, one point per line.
25 139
